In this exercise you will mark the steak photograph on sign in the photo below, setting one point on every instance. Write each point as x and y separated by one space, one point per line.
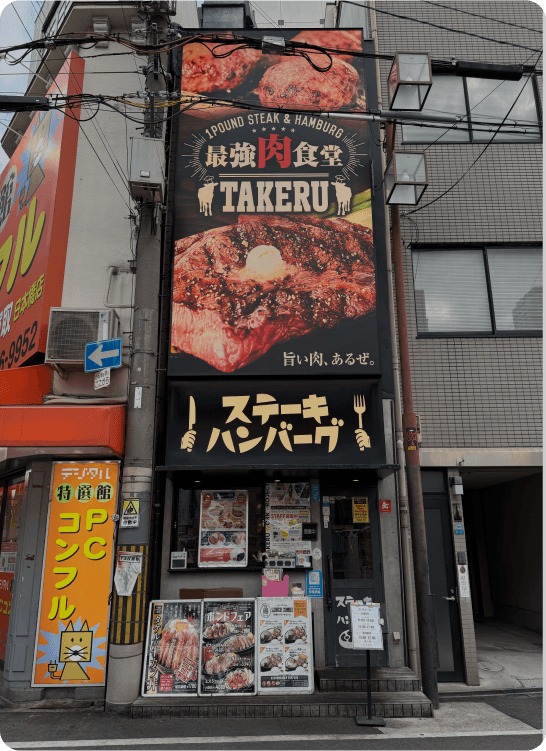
172 648
274 260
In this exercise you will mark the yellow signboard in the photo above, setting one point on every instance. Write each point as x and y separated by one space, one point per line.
74 609
361 513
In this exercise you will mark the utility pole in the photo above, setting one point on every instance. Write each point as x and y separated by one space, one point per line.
425 615
128 617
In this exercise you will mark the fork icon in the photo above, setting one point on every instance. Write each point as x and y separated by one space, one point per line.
360 407
362 438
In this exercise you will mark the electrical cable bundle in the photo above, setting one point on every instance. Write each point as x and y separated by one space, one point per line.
188 100
213 42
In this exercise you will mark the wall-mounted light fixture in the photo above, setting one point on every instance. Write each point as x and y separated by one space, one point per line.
406 177
410 80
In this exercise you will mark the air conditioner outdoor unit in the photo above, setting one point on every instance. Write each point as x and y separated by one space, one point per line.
70 329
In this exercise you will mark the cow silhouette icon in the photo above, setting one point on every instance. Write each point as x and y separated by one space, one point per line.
343 196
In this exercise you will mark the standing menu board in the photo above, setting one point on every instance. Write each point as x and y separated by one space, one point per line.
285 657
223 528
365 625
171 664
228 647
287 508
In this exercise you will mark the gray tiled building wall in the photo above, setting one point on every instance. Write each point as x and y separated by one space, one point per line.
473 392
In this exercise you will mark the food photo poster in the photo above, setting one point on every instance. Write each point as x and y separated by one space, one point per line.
223 529
228 659
172 648
285 656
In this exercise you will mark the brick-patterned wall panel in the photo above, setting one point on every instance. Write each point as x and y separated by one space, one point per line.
499 201
473 392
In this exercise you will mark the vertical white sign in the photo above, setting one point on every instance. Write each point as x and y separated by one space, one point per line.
464 583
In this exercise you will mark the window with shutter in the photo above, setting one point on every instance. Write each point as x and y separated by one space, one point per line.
487 291
516 287
452 290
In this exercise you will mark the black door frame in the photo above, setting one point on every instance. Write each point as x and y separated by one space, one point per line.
440 501
331 585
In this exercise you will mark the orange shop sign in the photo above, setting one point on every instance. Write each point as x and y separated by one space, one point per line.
35 202
76 581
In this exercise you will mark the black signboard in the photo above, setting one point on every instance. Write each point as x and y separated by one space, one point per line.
309 531
275 253
319 423
228 659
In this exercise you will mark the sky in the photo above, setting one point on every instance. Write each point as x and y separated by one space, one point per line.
14 79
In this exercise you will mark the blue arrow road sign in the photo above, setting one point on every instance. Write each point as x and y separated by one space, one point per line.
105 354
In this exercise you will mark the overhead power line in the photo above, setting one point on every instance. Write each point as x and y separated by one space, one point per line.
87 73
215 42
459 121
479 15
482 152
477 105
78 120
439 26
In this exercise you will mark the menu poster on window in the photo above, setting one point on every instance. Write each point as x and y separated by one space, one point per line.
172 648
285 656
361 514
223 528
228 647
287 508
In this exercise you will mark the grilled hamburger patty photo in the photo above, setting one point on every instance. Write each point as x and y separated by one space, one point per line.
295 83
204 73
340 39
240 289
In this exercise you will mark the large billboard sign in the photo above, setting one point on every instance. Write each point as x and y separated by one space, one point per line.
35 200
74 608
274 252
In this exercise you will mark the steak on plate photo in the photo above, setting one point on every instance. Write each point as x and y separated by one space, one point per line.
240 289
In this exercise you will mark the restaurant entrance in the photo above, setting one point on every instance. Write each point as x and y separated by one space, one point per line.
352 568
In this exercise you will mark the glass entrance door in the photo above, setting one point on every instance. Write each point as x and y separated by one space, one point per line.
10 511
352 568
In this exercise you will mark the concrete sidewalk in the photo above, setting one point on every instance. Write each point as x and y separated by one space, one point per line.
62 730
508 657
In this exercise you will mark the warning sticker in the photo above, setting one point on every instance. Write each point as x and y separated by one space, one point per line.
131 507
130 515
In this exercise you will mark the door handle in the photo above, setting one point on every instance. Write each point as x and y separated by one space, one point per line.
451 599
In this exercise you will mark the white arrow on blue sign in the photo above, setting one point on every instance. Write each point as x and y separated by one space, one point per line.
105 354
